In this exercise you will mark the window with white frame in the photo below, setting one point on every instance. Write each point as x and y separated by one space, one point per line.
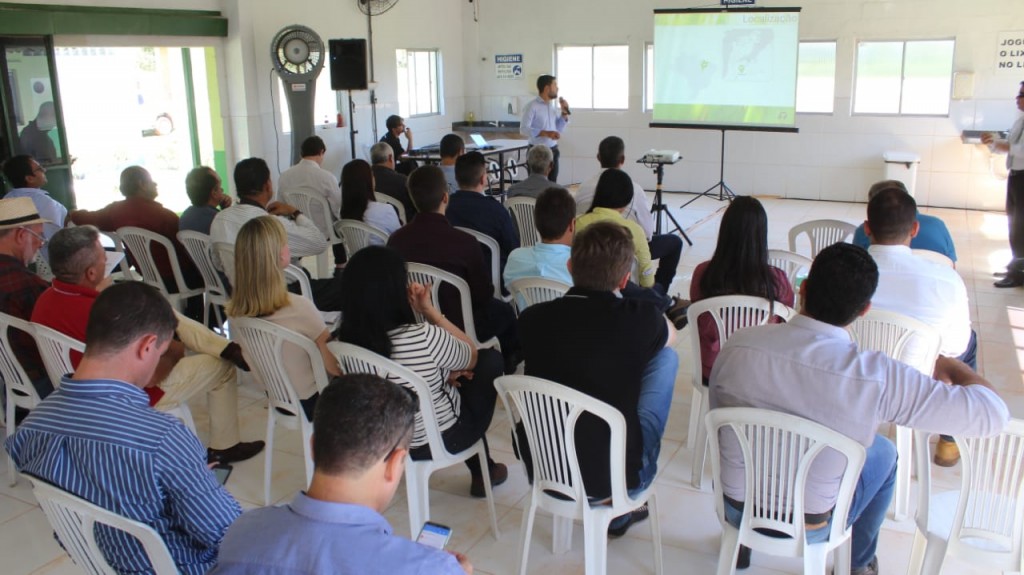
419 82
816 77
595 77
912 77
648 76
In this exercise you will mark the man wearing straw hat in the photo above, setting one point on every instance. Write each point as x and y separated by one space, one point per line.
21 236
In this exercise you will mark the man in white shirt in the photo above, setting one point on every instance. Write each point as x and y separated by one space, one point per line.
1013 147
930 292
667 248
816 372
255 189
309 174
541 123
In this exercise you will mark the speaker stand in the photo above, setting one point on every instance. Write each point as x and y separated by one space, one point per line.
352 131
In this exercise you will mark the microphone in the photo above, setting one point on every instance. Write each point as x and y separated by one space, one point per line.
565 107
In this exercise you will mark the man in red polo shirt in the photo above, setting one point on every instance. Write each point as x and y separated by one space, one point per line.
79 263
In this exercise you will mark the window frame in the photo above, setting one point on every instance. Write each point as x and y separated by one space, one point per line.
903 66
648 73
438 81
835 65
592 47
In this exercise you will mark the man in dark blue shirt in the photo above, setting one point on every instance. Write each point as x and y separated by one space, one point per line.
206 193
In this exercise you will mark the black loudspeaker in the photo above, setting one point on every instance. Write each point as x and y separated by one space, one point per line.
348 64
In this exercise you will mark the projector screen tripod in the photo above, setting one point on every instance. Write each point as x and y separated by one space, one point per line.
659 206
724 192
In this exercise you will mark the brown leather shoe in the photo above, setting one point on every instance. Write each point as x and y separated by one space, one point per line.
947 454
499 473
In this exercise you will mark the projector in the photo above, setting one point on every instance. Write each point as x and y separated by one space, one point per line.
661 156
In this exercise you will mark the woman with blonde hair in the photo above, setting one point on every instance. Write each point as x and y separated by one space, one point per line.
261 253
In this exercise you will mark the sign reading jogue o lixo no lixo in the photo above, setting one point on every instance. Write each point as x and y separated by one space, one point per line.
1010 53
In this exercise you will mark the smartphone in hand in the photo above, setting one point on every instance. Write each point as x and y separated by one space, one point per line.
222 471
434 535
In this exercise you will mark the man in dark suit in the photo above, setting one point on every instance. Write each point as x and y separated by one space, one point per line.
387 180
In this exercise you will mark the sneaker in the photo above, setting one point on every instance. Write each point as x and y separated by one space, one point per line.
870 569
947 454
677 312
238 452
499 473
635 516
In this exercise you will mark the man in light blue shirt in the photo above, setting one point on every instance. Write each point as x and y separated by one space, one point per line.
361 433
542 123
27 178
450 148
933 235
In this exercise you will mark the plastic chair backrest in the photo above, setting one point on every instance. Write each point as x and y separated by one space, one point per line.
139 243
225 252
989 514
821 233
263 342
110 240
294 273
41 267
521 208
731 313
386 199
434 277
355 359
199 248
898 336
791 263
934 257
493 255
533 290
549 413
315 207
356 235
783 447
11 371
75 521
55 348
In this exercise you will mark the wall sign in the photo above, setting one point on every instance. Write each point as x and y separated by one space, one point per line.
1010 53
508 66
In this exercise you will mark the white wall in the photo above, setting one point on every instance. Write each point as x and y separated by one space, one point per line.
834 157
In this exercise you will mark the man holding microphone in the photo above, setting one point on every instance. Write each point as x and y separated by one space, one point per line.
542 123
1013 147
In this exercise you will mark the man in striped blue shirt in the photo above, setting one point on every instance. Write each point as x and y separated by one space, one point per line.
97 438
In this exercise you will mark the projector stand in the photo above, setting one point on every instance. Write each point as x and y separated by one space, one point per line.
352 131
659 206
724 193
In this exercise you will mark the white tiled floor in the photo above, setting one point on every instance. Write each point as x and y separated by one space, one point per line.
690 528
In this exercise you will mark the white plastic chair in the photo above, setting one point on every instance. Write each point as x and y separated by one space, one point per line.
199 248
41 267
294 273
356 235
225 254
784 448
934 257
792 264
20 391
399 207
434 277
549 413
892 334
112 241
821 234
494 257
355 359
533 290
139 243
513 171
521 208
730 313
263 343
76 521
316 207
982 523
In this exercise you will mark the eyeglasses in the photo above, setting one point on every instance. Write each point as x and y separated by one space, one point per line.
42 240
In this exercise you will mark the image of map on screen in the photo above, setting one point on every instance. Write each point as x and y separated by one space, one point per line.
718 68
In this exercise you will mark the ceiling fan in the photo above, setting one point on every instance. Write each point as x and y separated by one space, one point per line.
297 53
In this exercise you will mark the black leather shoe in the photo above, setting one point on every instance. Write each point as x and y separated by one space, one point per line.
235 453
1009 282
